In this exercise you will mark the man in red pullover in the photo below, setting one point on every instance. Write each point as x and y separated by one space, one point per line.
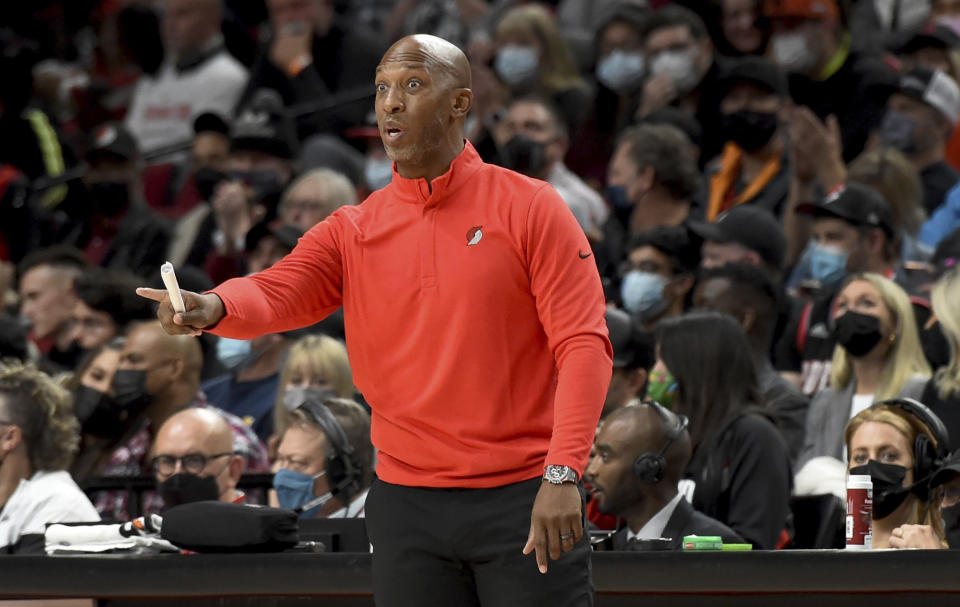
475 324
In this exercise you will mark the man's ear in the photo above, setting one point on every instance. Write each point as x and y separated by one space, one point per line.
680 285
462 102
237 466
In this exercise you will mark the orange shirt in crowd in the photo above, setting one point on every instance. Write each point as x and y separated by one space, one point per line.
474 317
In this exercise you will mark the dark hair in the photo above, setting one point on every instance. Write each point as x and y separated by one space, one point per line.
673 241
708 354
113 292
43 411
751 287
671 16
667 149
61 257
556 116
355 421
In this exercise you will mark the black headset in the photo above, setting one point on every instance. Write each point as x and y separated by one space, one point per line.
927 457
342 466
650 466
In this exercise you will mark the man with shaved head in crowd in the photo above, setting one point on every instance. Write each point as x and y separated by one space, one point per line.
193 459
474 317
157 377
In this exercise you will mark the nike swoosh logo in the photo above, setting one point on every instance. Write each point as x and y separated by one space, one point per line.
582 256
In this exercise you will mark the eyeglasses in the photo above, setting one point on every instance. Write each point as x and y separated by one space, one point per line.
193 463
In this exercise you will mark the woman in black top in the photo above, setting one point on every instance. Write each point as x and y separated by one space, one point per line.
740 468
942 392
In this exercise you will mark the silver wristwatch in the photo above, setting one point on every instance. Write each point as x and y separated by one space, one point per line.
559 475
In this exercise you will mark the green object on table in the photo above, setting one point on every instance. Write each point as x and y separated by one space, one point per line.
692 543
737 547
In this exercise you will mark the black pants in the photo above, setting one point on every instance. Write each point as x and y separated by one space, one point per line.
463 548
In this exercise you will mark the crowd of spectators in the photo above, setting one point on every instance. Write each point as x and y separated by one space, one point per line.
771 189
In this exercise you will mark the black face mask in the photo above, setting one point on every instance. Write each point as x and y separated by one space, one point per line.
186 488
524 155
130 391
207 179
108 198
888 490
857 333
951 524
748 129
98 413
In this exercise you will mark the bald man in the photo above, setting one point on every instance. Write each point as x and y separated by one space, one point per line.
192 459
641 454
475 325
158 376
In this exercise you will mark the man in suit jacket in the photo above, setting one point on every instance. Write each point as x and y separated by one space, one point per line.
639 457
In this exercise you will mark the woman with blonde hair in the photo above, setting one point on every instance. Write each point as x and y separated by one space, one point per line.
315 361
878 356
900 445
533 58
942 392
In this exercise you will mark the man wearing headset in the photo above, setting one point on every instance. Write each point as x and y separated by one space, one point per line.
640 455
325 457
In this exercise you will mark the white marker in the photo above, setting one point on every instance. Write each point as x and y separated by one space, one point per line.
170 281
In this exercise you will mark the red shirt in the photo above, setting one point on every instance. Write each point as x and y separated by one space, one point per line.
474 320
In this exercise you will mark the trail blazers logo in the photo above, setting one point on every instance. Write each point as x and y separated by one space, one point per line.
474 235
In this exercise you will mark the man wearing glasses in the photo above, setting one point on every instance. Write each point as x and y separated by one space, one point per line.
193 459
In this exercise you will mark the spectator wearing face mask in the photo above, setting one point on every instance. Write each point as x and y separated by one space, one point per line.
877 356
619 70
754 167
101 419
740 470
919 121
532 57
651 183
192 459
325 458
659 274
263 149
682 71
810 42
900 446
157 376
947 481
533 140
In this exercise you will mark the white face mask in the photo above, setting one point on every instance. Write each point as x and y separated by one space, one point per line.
378 172
621 71
516 64
679 65
792 53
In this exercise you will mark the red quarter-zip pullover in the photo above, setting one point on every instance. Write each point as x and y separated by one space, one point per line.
474 318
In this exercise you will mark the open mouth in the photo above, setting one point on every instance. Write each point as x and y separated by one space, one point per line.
393 133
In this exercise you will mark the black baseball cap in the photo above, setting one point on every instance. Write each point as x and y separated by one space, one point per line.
210 122
264 126
755 70
112 140
934 88
929 35
855 203
750 226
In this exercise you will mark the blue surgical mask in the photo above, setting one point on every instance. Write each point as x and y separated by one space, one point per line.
828 265
295 489
621 71
516 64
378 172
642 294
231 352
617 197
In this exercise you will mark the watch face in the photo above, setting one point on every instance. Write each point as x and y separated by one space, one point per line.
557 473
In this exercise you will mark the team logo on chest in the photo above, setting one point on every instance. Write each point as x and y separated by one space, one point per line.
474 235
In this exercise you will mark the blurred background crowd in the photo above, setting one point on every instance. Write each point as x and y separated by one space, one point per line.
769 187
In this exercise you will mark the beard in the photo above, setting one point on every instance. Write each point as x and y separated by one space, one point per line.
431 139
